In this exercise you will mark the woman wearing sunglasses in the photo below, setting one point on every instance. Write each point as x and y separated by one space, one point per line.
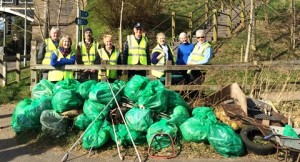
201 54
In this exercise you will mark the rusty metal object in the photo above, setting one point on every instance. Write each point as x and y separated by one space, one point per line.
172 145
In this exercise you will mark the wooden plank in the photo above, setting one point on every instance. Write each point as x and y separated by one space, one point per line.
33 61
281 96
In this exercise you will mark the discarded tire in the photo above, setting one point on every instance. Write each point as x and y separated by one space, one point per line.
254 142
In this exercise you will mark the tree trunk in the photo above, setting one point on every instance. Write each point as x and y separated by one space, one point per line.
58 13
249 33
253 31
293 27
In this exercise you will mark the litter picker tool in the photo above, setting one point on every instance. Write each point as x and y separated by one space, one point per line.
113 94
65 158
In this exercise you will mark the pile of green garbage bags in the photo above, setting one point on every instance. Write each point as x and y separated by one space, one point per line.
157 116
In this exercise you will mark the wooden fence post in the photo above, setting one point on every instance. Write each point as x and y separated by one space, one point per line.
215 26
33 61
254 88
229 22
206 13
242 14
103 71
173 25
190 25
4 73
18 67
168 80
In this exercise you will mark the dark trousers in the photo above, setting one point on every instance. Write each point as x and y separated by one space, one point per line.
131 73
197 77
88 76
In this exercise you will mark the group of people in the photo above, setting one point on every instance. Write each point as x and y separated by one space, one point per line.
136 51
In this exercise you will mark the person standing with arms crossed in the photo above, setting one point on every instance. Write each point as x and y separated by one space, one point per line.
62 56
46 48
201 55
136 50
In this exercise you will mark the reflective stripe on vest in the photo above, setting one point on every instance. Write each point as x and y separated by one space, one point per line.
88 58
57 75
112 60
50 47
136 52
162 61
198 54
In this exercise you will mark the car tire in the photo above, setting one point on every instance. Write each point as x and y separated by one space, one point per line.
248 135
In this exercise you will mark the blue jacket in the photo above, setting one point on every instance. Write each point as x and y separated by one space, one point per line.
183 53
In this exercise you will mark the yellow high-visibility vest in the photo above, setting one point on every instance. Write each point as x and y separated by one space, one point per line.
162 61
136 52
50 47
198 53
57 75
112 60
88 58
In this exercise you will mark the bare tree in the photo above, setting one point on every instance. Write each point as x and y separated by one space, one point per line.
293 27
59 12
249 33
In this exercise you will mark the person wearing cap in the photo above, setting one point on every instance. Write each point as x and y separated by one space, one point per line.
161 53
184 50
87 54
136 50
201 54
46 48
112 55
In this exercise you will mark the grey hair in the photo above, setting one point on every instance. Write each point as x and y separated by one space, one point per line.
182 35
200 32
53 30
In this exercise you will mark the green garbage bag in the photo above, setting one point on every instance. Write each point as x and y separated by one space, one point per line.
71 84
195 130
289 132
225 141
138 119
101 93
153 97
161 126
123 138
82 121
179 115
66 99
43 88
54 124
97 135
93 108
135 86
84 88
27 114
175 99
204 113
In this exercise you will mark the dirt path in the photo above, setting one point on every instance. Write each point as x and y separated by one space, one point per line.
12 150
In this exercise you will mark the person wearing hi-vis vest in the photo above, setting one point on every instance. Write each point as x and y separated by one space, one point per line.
201 54
110 54
161 53
136 50
46 48
62 56
87 54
